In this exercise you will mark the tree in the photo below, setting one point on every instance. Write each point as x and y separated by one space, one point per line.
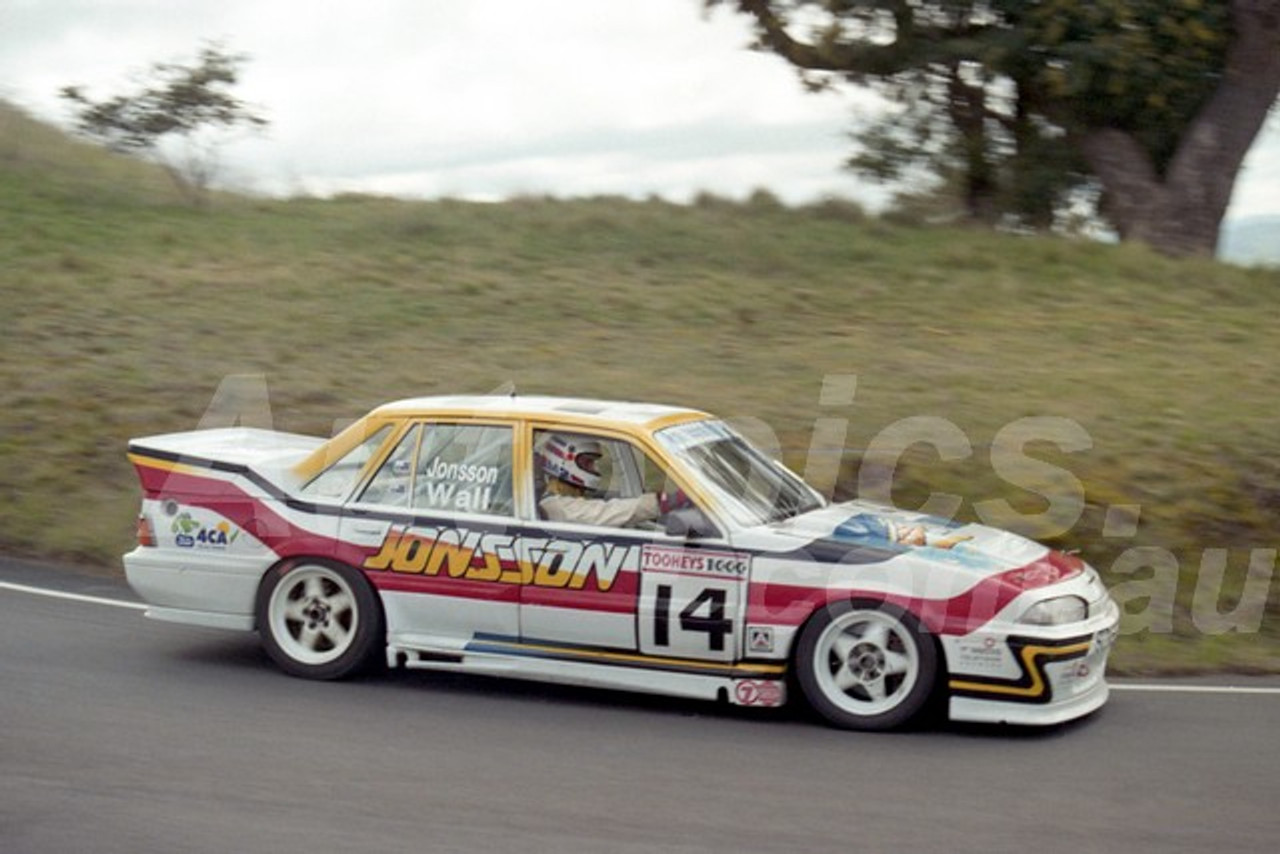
1024 104
182 102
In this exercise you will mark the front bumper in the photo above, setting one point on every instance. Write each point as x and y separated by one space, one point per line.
1021 678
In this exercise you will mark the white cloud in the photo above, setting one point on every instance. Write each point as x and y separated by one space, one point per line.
475 99
483 98
1257 190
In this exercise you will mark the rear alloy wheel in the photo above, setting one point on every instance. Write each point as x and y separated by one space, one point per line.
319 620
866 667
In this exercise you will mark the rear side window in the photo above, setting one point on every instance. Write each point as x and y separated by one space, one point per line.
461 468
466 468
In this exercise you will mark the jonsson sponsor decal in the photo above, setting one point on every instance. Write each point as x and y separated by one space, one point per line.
463 486
504 558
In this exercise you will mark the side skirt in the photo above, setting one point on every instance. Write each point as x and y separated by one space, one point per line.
748 684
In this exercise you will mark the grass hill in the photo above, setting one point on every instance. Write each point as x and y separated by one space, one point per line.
123 310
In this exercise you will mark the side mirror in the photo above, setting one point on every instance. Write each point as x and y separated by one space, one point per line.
690 523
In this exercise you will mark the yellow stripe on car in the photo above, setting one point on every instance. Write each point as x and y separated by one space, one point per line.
1029 656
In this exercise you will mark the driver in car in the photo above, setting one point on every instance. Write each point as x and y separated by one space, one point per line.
572 468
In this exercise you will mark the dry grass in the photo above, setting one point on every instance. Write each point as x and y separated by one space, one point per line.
123 311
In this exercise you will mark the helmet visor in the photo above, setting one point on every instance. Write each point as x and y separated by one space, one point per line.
589 462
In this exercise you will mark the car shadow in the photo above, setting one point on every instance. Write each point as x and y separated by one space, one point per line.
225 652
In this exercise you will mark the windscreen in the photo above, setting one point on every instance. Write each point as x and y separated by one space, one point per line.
752 488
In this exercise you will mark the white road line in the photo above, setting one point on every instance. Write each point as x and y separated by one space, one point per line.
1193 689
75 597
1115 686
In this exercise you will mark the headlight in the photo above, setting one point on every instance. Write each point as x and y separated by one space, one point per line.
1054 612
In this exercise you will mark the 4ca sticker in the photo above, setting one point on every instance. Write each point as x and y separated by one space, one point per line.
191 534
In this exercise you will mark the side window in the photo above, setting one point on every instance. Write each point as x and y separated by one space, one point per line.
338 479
464 468
394 481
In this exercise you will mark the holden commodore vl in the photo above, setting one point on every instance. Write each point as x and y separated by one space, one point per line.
621 545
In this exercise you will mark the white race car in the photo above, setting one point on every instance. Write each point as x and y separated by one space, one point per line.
619 545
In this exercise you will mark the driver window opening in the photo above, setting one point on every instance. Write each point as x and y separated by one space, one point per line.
593 480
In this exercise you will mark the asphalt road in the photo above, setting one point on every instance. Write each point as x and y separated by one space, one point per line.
121 734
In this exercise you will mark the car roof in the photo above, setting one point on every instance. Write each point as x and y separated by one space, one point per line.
632 418
566 409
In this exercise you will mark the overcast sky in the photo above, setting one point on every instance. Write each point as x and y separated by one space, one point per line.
485 99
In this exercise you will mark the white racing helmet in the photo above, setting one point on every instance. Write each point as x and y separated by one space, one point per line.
573 460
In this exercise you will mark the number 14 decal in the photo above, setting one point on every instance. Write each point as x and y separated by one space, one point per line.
705 613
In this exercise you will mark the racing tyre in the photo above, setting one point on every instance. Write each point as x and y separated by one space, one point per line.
866 666
319 620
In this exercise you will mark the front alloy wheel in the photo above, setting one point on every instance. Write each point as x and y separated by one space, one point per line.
319 621
865 666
